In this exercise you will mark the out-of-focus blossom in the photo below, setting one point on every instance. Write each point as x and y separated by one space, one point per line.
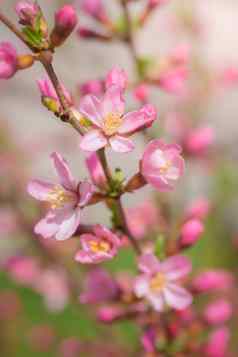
65 22
66 201
99 287
190 233
141 93
98 247
162 165
199 208
117 77
218 343
142 219
108 314
173 80
94 8
94 87
229 76
48 92
212 280
199 141
96 171
8 60
153 3
110 126
70 347
218 312
24 270
53 286
159 282
27 12
180 55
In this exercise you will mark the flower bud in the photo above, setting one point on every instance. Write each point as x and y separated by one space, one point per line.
218 312
199 208
199 141
218 343
65 22
95 9
141 93
190 233
212 280
8 60
27 12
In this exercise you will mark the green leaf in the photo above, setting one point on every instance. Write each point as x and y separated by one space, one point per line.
160 247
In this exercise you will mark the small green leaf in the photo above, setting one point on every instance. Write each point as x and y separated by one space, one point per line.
160 247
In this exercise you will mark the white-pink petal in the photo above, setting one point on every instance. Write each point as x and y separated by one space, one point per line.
113 101
85 193
65 176
40 189
176 267
69 225
90 107
93 141
177 297
121 144
141 286
156 301
148 263
131 122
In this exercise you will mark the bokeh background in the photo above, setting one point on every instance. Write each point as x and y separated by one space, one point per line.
29 134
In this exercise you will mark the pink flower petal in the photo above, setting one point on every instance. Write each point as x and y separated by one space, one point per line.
156 301
47 226
85 193
121 144
138 120
69 225
40 189
141 286
113 101
176 267
177 297
96 171
93 141
148 263
90 107
63 171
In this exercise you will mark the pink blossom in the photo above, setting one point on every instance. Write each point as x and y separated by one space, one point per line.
199 208
142 219
98 247
162 164
159 282
47 90
141 92
27 12
173 80
24 270
66 19
110 126
53 286
96 171
99 287
117 77
218 343
94 8
199 140
212 280
229 76
94 87
66 201
180 55
190 232
8 60
218 312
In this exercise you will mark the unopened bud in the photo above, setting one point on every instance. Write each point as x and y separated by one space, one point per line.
190 233
65 22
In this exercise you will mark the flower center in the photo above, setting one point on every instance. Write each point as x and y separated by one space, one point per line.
111 123
158 282
101 246
165 167
58 197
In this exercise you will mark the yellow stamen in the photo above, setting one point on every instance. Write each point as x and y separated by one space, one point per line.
111 123
102 246
158 282
164 169
58 197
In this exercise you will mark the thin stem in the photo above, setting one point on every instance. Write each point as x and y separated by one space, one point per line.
14 29
103 159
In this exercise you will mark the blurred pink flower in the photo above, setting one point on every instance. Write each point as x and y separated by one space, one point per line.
198 141
24 270
158 283
173 80
141 92
8 60
199 208
27 12
66 201
94 87
110 126
218 312
190 233
98 247
218 343
99 287
142 219
212 280
96 171
94 8
162 165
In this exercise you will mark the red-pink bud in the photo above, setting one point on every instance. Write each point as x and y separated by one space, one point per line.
218 343
199 140
218 312
212 280
141 93
27 12
65 22
190 233
8 60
